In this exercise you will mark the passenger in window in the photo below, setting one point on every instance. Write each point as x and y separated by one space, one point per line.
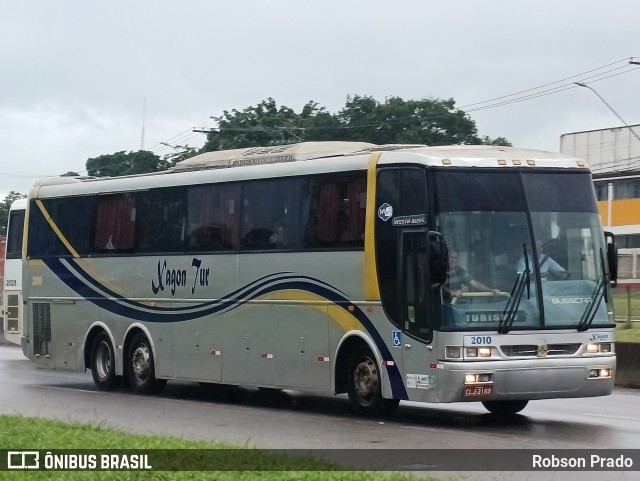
457 277
277 238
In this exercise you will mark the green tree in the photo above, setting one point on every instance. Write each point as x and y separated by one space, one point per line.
122 163
394 121
4 209
183 153
264 124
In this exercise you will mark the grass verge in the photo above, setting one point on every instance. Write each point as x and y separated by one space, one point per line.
22 433
627 332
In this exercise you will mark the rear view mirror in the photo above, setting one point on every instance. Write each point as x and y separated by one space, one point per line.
612 258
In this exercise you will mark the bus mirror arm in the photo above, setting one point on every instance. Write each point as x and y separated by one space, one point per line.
612 258
438 257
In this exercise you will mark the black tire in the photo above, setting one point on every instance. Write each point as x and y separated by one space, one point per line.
365 385
505 408
140 367
103 363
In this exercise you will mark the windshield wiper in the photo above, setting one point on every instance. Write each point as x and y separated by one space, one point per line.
599 293
511 309
590 312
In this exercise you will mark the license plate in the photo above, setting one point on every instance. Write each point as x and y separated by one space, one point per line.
471 391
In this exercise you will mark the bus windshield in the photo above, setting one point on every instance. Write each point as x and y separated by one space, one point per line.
525 250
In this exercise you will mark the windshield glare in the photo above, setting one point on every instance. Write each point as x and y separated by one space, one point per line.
541 268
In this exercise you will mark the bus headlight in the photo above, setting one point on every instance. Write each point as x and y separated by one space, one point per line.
599 373
598 348
452 352
475 378
484 352
477 352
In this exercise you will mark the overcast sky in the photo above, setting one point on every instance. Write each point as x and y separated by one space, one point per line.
76 73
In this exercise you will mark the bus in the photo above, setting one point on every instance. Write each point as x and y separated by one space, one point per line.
12 294
323 267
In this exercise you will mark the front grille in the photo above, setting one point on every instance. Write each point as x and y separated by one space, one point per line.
531 350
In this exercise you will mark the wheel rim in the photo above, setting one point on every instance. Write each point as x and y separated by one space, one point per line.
366 379
140 362
103 360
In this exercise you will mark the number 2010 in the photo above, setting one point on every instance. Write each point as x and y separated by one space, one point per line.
480 340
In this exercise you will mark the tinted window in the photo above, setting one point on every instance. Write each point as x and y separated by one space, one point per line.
560 192
271 214
213 217
115 221
162 217
465 190
308 212
14 238
72 217
335 215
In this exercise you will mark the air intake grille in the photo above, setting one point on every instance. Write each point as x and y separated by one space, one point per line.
41 328
531 350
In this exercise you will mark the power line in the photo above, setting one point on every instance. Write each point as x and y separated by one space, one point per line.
545 85
536 92
593 75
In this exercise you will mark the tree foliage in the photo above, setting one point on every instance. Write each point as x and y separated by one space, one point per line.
364 119
4 209
122 163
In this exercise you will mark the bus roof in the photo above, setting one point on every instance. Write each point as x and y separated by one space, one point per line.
284 160
272 155
19 204
470 155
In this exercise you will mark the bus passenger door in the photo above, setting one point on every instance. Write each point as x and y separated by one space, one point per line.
414 289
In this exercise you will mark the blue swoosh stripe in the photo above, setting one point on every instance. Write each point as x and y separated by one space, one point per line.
87 287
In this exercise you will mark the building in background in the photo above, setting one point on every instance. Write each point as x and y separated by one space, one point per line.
614 157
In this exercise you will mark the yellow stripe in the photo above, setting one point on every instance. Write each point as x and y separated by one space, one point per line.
344 319
55 229
371 290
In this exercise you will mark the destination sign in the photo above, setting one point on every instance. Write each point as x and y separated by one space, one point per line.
491 316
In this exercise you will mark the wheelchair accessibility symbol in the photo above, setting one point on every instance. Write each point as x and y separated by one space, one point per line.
397 340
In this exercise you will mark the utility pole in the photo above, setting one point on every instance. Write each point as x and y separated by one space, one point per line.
582 84
144 114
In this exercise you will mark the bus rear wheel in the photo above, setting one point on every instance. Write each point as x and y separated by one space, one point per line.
141 367
103 363
365 385
505 408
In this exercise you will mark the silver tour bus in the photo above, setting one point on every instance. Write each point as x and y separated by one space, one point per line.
400 272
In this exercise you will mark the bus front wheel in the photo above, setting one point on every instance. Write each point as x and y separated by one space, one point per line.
103 363
141 367
505 408
365 385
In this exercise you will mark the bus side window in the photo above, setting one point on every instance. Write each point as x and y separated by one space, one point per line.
271 214
336 212
213 217
115 223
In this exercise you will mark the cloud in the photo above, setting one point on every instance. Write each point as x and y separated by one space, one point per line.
75 73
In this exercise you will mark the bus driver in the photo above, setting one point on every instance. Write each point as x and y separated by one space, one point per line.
457 277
